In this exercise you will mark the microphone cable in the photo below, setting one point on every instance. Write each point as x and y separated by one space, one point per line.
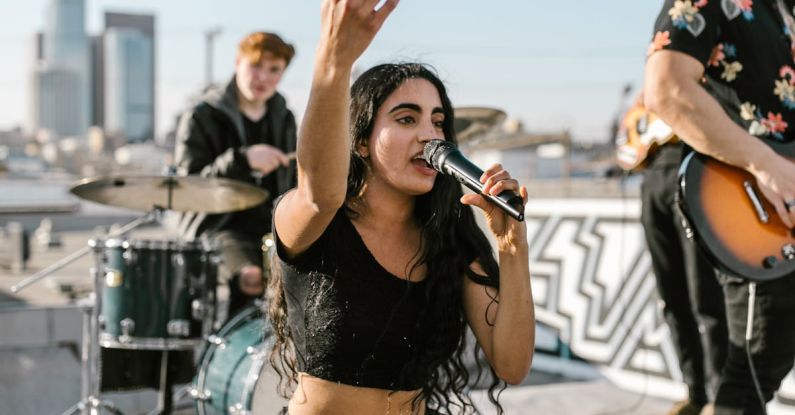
749 325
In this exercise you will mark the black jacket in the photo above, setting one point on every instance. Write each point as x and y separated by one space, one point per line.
211 142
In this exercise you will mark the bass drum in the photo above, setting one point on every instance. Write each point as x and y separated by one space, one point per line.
235 376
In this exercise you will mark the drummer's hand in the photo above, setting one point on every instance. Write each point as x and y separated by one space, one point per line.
509 232
348 27
250 280
265 158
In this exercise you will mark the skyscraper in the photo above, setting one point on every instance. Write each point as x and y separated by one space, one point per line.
128 80
61 98
54 102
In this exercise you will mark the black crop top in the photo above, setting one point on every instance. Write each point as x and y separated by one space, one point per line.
360 318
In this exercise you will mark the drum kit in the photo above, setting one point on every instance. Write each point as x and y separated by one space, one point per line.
159 296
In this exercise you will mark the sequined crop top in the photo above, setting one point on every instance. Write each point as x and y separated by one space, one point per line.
352 321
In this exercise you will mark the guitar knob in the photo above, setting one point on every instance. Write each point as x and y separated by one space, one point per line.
788 251
769 262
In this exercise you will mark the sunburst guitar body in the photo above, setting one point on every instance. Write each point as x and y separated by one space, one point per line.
733 222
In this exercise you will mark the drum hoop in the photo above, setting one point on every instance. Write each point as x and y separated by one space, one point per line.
147 343
209 350
156 244
250 382
166 244
113 243
258 361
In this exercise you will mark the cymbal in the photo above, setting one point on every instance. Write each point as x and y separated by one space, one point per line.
179 193
470 121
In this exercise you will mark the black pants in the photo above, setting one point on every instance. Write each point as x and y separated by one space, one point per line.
237 251
772 343
686 282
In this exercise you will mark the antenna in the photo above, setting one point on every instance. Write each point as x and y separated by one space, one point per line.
209 37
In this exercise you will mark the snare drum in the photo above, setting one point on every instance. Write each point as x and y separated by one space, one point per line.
156 295
235 376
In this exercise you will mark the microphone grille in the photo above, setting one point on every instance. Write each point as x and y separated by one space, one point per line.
435 148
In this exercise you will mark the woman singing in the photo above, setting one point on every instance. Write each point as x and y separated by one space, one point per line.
380 264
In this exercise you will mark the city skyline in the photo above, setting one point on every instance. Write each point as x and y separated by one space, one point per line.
128 76
80 81
548 67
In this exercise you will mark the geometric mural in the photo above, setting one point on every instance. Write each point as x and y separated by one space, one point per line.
593 284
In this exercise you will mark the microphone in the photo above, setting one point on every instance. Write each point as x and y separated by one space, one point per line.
445 158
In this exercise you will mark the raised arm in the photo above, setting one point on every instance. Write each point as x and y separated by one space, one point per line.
323 153
672 91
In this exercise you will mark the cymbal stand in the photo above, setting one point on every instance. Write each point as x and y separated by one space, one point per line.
90 369
90 365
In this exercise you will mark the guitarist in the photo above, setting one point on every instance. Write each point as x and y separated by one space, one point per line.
692 298
748 47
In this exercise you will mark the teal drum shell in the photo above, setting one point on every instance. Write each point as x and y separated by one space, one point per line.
235 376
156 295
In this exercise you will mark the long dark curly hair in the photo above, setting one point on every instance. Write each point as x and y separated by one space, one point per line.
451 240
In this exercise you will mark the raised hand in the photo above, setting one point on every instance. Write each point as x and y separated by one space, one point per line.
348 27
509 232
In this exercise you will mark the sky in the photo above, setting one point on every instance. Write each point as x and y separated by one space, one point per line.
553 65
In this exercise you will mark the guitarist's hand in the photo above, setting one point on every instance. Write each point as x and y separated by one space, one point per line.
776 180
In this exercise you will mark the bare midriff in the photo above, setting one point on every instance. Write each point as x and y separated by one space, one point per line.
314 396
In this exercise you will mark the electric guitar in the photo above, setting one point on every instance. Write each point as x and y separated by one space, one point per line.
733 222
641 133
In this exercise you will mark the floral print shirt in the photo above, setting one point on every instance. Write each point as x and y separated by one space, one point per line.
745 45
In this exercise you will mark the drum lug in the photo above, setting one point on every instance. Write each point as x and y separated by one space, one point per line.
178 328
198 309
257 352
203 395
178 260
127 326
127 329
218 341
129 255
237 409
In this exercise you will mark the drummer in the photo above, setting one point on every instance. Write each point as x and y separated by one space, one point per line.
243 132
